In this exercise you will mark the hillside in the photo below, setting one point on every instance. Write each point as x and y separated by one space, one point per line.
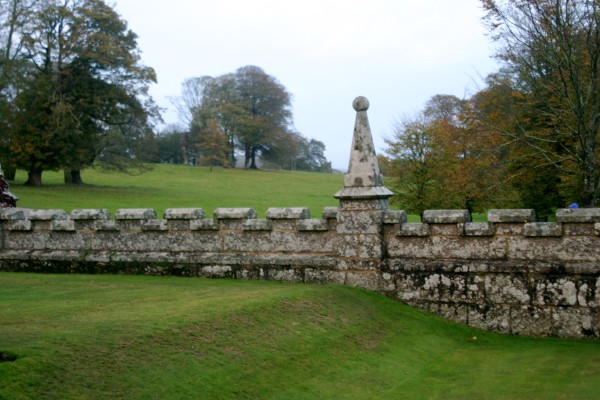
181 186
139 337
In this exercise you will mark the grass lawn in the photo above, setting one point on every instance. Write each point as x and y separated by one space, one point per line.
180 186
139 337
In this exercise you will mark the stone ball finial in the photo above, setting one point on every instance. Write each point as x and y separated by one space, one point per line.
360 103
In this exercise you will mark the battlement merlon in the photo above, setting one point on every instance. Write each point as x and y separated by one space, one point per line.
364 180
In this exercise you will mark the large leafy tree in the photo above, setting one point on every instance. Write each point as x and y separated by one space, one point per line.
84 98
550 50
250 107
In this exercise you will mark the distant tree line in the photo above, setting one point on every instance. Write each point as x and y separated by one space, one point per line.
246 112
529 138
73 92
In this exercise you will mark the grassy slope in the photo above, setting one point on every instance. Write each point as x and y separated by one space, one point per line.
180 186
141 337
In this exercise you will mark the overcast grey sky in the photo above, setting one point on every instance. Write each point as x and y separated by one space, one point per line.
397 53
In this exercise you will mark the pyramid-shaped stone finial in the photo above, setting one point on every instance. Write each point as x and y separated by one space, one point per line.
363 180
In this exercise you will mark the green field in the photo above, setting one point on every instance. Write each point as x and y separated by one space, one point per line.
137 337
180 186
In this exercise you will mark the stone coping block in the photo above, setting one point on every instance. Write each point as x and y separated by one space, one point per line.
330 212
135 214
257 225
446 216
184 213
63 225
235 213
479 229
543 229
580 215
90 214
14 214
511 216
19 225
155 225
288 213
413 229
106 225
395 217
307 225
47 215
204 225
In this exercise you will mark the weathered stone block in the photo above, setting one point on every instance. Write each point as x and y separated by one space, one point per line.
413 229
446 216
578 215
395 217
446 229
568 249
509 229
63 225
18 225
511 216
447 247
575 229
507 289
363 280
90 214
204 225
542 229
135 214
367 222
158 225
321 276
183 213
575 322
370 247
234 213
106 225
288 213
495 318
13 214
363 204
532 321
47 215
283 241
312 225
330 212
258 225
479 229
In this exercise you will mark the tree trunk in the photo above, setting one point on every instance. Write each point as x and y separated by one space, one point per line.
34 177
253 159
73 177
10 173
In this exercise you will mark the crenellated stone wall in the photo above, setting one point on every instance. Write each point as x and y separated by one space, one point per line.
509 274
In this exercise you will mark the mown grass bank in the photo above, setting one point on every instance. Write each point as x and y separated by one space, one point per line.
140 337
181 186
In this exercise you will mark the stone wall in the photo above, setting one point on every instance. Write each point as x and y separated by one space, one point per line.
510 274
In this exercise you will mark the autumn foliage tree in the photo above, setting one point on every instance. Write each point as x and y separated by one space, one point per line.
550 53
441 159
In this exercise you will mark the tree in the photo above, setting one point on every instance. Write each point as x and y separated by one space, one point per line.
441 159
530 180
85 91
550 49
412 165
213 145
251 107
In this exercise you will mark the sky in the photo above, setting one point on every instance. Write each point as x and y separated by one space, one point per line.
397 53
